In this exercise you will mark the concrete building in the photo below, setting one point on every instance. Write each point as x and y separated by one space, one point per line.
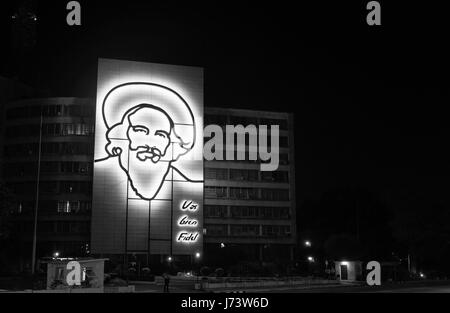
247 211
65 179
248 214
348 270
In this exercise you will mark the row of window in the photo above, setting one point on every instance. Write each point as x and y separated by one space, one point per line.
54 206
248 230
52 187
246 175
283 158
29 168
268 194
51 110
246 212
50 129
48 148
243 120
83 148
63 227
283 141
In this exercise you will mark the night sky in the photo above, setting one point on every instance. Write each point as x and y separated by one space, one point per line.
370 103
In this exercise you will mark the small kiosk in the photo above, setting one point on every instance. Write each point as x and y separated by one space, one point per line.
92 274
348 270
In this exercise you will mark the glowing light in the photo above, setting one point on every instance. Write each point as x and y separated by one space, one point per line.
187 222
308 243
344 263
187 237
197 255
56 254
149 122
311 259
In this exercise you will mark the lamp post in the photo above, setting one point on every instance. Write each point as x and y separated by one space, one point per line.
33 255
169 260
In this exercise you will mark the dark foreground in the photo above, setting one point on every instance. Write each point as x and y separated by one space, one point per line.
409 287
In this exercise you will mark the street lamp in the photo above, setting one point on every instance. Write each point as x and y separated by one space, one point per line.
169 259
56 254
310 259
197 255
308 243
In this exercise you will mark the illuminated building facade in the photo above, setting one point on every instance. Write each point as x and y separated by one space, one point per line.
248 214
148 168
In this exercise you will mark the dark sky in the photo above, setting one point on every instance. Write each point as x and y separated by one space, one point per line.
369 102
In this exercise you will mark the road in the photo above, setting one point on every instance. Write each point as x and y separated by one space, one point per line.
429 287
175 286
411 287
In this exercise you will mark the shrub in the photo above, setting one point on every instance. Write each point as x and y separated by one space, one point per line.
205 271
219 272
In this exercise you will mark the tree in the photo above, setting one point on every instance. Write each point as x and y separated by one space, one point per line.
423 228
357 213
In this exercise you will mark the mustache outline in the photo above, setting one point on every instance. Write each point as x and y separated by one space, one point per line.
145 152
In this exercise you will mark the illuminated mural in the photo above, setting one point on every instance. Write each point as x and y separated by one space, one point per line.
148 170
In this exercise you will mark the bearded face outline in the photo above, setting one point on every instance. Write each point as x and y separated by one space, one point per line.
144 137
144 160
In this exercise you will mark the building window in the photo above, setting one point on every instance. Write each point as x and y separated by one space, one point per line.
50 167
274 194
259 212
68 206
240 174
284 159
48 187
215 211
276 230
75 187
245 230
50 148
216 230
215 192
275 176
75 167
243 193
52 110
216 173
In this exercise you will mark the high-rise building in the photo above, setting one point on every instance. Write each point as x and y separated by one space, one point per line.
62 144
248 213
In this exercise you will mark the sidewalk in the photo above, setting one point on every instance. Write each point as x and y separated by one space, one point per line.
283 288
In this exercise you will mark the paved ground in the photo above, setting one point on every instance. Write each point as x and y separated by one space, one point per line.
413 287
429 287
175 287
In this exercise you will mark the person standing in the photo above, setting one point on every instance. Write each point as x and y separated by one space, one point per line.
166 278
